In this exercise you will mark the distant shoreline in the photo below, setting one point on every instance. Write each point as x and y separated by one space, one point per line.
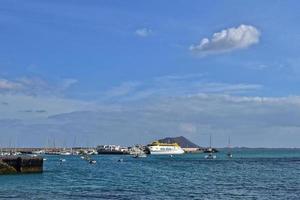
66 148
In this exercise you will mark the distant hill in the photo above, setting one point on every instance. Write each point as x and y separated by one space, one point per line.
181 141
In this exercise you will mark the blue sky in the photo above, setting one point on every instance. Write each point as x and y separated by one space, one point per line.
142 70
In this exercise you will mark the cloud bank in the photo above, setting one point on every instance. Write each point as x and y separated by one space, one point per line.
228 40
140 112
250 121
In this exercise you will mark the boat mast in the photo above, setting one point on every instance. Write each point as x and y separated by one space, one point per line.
229 148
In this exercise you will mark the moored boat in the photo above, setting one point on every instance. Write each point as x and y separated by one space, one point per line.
140 155
210 151
210 156
111 149
157 148
229 153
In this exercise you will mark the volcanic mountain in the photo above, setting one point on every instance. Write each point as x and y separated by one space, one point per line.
181 141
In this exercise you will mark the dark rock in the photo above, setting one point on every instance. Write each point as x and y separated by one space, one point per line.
6 169
20 164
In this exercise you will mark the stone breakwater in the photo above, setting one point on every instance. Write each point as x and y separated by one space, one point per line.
20 164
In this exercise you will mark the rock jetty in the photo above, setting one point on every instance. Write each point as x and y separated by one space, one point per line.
20 164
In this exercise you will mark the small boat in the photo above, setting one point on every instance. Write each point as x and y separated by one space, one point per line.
120 160
210 156
92 161
82 157
110 149
65 153
140 155
62 160
44 159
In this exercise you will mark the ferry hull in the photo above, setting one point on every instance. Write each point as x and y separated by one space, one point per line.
158 151
166 153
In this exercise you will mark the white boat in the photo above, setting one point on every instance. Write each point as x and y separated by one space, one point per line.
38 152
137 152
140 155
111 149
65 153
210 156
92 161
157 148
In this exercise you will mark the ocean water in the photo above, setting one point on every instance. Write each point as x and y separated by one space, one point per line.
250 174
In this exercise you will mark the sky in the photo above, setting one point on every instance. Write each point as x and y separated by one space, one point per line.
124 72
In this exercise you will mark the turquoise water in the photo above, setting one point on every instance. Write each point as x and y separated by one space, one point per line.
251 174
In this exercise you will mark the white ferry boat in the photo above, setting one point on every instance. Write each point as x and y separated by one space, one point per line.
157 148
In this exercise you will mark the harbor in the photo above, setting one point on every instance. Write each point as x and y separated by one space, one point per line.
30 160
169 145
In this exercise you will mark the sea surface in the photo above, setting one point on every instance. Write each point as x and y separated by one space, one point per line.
250 174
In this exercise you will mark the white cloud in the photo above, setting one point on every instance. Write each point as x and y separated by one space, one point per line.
35 86
19 104
175 85
228 88
9 85
143 32
179 77
228 40
124 89
34 97
66 83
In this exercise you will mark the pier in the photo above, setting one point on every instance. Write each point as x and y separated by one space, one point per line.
20 164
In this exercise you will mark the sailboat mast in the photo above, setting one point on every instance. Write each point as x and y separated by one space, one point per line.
229 154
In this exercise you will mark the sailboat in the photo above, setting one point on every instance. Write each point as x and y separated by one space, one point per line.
210 155
229 154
